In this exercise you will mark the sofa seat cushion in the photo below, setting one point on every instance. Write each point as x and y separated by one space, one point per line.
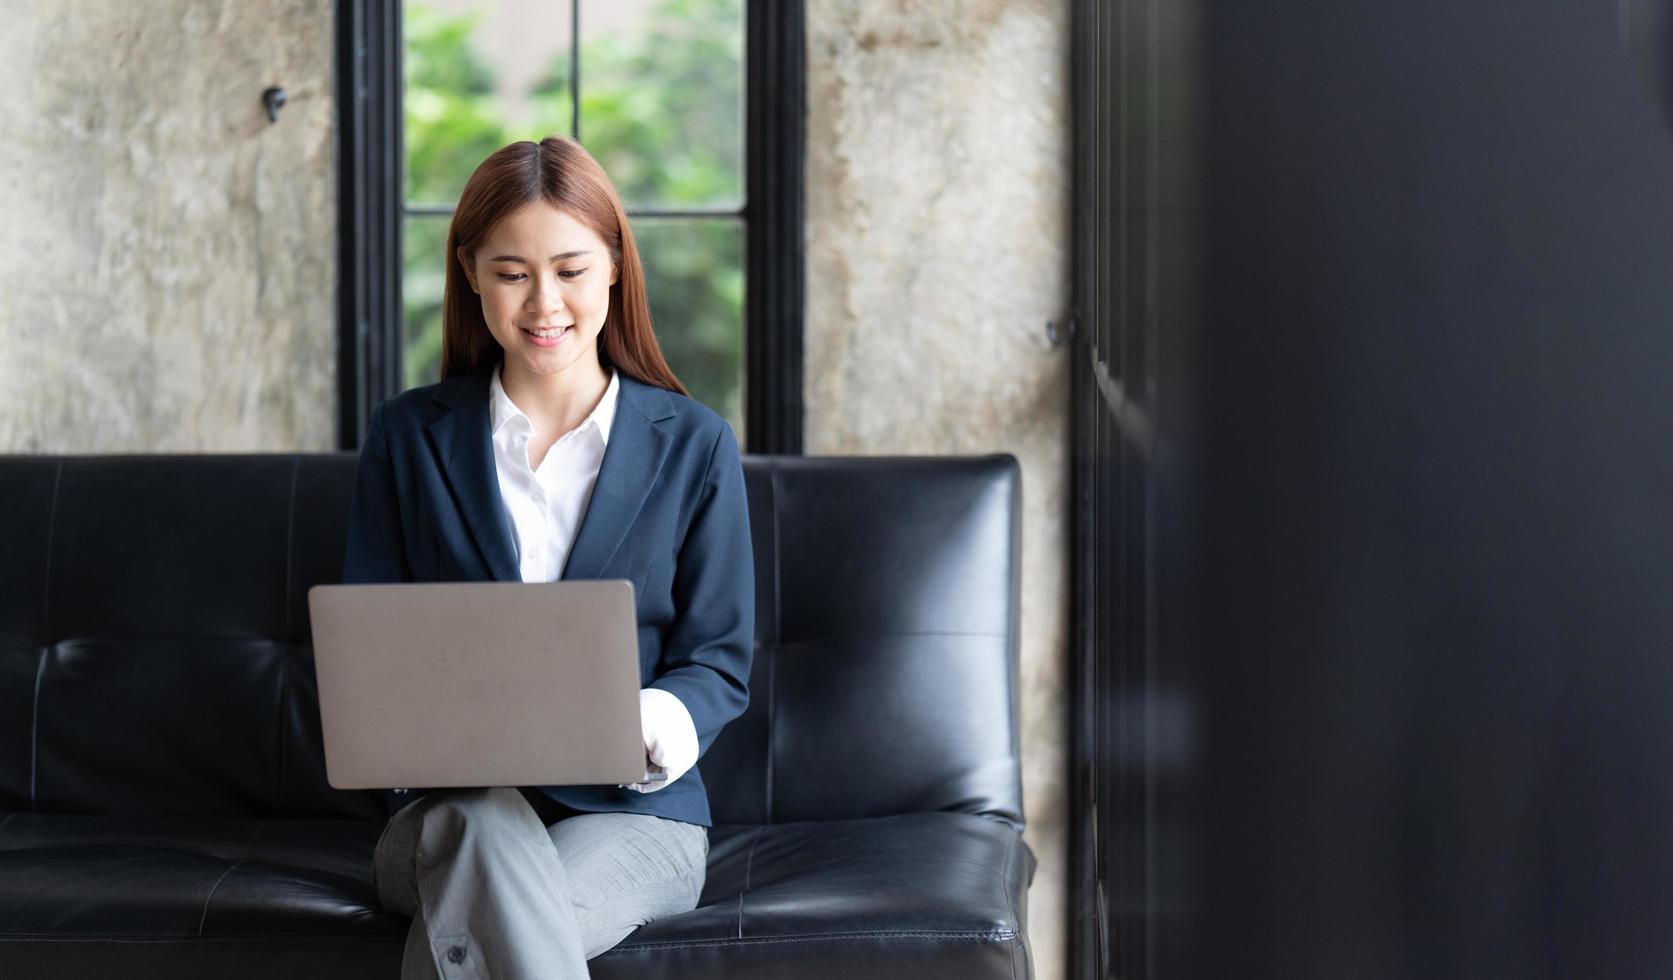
911 896
139 896
188 876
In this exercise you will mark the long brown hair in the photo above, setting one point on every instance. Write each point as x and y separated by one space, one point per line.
558 171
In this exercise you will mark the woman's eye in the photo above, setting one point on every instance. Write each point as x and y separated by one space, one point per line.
520 276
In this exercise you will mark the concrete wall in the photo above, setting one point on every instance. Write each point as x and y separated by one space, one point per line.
937 228
167 257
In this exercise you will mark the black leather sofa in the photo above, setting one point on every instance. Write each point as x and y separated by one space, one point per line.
163 805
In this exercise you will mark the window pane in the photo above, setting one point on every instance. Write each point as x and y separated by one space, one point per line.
694 275
423 242
662 99
479 75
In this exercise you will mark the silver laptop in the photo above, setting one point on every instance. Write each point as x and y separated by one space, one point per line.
438 684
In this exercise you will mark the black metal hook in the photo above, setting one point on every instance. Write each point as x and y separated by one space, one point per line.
274 100
1061 331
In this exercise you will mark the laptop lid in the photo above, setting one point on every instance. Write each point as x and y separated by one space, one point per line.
444 684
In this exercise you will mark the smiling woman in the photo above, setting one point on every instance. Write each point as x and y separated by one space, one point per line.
558 444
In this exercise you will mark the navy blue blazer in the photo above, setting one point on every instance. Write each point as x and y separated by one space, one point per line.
668 513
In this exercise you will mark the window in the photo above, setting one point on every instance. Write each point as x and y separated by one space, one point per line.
692 106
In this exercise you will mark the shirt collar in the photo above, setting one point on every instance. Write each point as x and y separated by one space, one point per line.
503 410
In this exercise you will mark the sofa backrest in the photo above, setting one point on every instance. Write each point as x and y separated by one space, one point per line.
155 650
885 677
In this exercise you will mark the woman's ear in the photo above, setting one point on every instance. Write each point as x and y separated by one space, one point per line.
470 270
615 272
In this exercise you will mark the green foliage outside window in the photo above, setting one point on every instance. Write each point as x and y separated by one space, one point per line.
660 110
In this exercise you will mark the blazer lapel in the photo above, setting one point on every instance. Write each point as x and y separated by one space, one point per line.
462 442
632 459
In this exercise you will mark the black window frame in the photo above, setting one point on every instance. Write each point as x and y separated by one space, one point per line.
370 82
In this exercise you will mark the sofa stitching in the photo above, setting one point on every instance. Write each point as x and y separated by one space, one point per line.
1010 902
290 635
212 889
772 682
749 859
46 628
290 542
251 846
248 849
51 525
35 729
154 845
749 865
280 723
777 637
6 821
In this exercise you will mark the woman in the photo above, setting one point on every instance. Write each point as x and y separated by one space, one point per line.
559 444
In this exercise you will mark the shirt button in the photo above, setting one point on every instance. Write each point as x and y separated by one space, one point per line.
456 954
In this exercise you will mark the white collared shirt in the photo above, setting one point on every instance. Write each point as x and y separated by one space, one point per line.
546 504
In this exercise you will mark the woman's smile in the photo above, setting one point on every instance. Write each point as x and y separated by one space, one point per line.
548 336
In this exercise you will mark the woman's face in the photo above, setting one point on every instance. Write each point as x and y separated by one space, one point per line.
541 267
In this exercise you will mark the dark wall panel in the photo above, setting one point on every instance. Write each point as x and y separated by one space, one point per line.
1412 516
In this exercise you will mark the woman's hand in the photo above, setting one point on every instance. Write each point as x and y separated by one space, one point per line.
670 737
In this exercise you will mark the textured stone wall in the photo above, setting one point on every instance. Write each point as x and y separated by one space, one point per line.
167 257
937 228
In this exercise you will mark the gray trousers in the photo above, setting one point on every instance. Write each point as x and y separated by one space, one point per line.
496 894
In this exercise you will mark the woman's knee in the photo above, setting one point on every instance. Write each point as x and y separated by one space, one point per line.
605 924
477 808
445 824
629 870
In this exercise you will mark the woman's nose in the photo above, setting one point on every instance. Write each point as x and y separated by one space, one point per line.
545 297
